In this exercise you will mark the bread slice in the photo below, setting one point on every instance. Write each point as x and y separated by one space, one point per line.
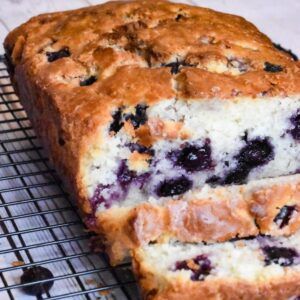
269 206
258 268
138 103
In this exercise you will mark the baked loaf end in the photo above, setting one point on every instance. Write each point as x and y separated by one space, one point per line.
140 102
265 268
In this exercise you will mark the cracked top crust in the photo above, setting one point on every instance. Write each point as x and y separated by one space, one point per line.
135 51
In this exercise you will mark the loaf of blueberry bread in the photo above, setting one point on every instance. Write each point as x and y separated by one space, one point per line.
165 121
256 268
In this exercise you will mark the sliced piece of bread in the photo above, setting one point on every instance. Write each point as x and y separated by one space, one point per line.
269 206
261 268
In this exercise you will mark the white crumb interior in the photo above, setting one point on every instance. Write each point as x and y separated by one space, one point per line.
243 260
223 122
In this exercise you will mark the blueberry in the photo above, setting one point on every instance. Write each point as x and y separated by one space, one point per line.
117 122
125 176
238 175
200 267
107 195
89 81
52 56
272 68
193 158
295 132
141 180
136 119
256 153
179 17
174 187
283 217
214 180
279 255
140 116
141 149
288 51
34 274
204 270
175 66
98 198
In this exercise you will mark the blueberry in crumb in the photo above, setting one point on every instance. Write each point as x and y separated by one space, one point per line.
295 132
141 179
89 81
173 187
288 51
141 149
256 153
140 116
214 180
175 66
98 198
178 17
117 122
193 158
200 267
283 217
279 255
271 68
107 195
238 175
124 175
34 274
53 56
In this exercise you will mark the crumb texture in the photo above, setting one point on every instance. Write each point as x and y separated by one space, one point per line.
254 268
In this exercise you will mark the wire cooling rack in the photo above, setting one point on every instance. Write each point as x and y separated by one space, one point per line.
39 225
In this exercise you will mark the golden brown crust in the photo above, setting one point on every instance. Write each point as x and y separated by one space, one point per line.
127 45
148 34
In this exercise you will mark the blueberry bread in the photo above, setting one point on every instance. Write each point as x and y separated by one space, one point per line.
258 268
156 113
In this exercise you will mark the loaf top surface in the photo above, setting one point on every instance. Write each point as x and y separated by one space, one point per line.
127 52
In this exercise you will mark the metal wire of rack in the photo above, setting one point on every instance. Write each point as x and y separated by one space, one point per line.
39 225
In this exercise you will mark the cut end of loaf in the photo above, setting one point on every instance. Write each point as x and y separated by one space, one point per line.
154 153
